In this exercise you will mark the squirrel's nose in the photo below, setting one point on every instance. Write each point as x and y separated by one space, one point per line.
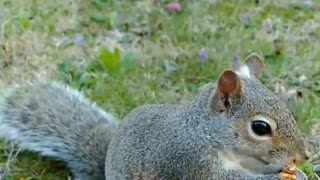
300 158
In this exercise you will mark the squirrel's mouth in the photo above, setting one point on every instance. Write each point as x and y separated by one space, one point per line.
258 165
248 163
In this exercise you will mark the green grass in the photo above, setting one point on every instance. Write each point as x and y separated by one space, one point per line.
38 39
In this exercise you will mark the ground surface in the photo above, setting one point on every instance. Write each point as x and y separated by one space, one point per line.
165 57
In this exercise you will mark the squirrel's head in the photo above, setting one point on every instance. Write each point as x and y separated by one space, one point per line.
260 129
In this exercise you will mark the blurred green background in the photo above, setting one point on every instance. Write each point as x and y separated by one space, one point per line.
125 53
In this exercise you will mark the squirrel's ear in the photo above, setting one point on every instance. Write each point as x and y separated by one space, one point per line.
229 91
229 83
255 64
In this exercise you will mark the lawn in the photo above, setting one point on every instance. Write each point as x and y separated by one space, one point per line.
126 53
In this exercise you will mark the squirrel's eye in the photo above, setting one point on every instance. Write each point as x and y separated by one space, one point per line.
261 128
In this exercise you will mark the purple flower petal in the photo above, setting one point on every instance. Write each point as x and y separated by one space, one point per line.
244 18
203 57
236 61
79 39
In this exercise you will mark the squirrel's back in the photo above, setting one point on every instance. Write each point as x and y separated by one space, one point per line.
59 122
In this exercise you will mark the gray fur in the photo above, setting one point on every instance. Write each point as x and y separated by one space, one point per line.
59 122
183 141
158 141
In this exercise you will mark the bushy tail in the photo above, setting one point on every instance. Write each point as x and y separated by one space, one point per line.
58 122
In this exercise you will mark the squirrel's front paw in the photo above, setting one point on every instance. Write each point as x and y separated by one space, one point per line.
292 173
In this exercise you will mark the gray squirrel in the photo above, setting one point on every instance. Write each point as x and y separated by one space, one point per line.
235 128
